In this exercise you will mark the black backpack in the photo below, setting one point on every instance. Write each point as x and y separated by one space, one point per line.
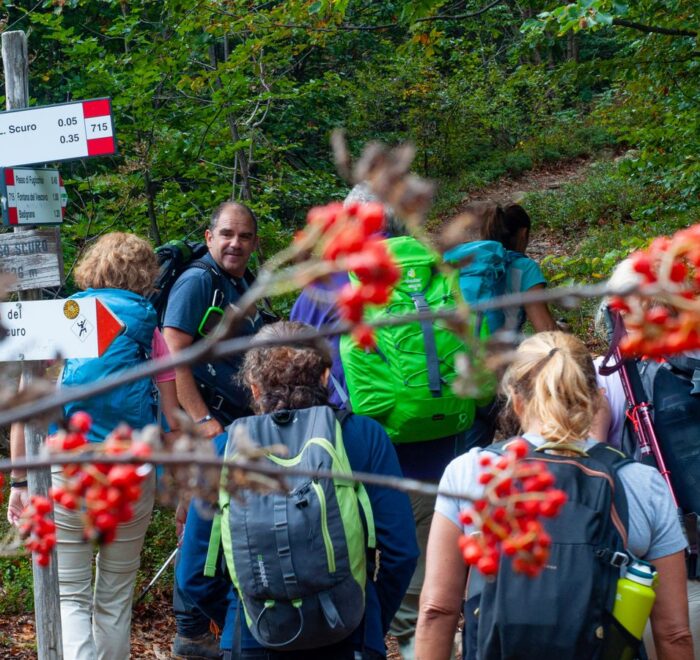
566 611
175 257
673 389
298 558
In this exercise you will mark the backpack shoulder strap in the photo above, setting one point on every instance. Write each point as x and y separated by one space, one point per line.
342 394
342 415
500 447
210 563
613 460
203 265
362 497
431 354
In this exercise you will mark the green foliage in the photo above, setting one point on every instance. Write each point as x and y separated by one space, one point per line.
160 542
15 573
652 102
239 101
603 198
16 585
605 216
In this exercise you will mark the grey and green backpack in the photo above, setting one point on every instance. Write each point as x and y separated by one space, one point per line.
298 559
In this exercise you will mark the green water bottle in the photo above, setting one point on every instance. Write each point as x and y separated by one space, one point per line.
635 597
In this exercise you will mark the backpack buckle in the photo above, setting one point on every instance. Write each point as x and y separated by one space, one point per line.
619 559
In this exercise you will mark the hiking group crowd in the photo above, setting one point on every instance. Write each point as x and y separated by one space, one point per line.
328 568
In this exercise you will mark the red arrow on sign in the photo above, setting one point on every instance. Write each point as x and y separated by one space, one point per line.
109 327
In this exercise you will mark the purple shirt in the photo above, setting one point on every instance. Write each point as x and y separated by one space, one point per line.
316 307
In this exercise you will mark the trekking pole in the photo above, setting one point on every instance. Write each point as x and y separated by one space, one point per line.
644 425
638 407
160 572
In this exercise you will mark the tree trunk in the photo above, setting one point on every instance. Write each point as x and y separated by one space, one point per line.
47 610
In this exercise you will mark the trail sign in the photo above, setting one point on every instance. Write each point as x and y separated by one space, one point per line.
47 329
32 197
33 258
56 132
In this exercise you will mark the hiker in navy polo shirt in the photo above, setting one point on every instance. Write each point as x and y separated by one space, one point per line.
209 392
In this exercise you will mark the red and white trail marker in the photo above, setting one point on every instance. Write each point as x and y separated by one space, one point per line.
47 329
51 133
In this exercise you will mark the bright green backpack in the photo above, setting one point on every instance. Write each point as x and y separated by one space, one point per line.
405 383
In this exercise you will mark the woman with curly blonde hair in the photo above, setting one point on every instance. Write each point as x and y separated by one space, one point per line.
118 261
119 269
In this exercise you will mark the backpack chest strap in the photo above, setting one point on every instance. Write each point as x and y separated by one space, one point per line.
431 354
284 550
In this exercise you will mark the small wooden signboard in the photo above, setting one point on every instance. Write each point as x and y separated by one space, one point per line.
33 258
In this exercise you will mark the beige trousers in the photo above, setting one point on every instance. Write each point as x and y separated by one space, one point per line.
96 621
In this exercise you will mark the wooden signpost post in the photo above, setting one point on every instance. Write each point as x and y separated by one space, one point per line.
32 197
46 600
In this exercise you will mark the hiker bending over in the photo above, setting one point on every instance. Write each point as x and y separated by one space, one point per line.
561 613
494 264
119 269
669 386
302 596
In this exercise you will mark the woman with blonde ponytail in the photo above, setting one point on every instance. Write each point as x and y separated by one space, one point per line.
551 387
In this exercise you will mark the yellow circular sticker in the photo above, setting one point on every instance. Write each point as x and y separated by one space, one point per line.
71 309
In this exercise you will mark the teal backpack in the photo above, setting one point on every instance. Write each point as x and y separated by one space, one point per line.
405 382
298 559
483 275
134 403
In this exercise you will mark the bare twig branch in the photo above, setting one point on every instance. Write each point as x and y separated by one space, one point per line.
269 469
216 348
673 32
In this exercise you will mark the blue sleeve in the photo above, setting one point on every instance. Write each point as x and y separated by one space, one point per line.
212 595
370 450
528 274
188 301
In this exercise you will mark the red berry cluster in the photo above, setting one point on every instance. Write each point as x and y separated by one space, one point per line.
106 493
350 237
506 518
38 529
670 272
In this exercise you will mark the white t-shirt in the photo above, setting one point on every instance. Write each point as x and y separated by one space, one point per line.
653 528
615 395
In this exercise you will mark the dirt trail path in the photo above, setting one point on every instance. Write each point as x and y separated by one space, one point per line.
552 177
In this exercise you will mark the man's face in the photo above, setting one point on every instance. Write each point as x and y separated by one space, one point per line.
232 241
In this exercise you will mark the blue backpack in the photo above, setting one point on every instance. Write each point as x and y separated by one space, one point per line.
483 275
134 403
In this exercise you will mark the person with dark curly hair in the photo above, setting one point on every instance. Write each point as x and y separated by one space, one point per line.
291 377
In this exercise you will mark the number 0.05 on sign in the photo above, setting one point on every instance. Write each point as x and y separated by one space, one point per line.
56 132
